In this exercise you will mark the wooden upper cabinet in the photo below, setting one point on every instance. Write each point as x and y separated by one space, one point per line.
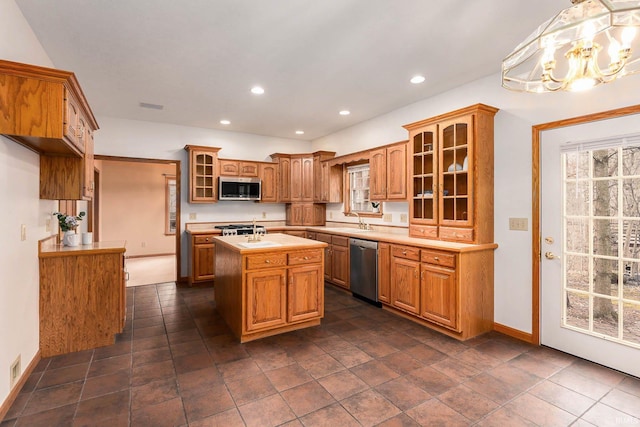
284 181
324 182
307 179
44 109
451 175
269 178
228 167
203 173
388 172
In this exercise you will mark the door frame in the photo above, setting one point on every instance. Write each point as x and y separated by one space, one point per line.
178 173
536 202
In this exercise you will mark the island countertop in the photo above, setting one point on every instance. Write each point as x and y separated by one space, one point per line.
268 243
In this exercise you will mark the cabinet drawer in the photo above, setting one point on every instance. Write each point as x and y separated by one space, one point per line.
229 167
266 260
458 234
406 252
305 257
323 237
445 259
424 231
340 241
203 239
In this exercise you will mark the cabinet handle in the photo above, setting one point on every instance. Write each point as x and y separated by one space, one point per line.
422 274
306 258
404 252
267 261
126 276
435 258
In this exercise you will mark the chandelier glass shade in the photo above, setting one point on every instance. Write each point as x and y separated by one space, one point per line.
589 43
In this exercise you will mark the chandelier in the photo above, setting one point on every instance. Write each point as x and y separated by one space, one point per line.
565 53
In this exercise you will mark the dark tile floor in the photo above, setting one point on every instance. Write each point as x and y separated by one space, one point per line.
176 364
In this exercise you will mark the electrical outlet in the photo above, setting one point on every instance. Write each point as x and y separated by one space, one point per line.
15 370
47 225
143 244
386 217
23 232
264 215
192 215
330 215
518 224
403 217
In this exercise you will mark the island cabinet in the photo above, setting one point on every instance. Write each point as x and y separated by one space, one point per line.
269 287
45 110
203 173
82 296
388 172
336 267
449 290
203 255
450 160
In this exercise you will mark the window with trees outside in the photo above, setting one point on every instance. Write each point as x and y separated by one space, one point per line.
358 194
601 266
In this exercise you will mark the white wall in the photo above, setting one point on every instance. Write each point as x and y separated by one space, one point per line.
518 112
19 188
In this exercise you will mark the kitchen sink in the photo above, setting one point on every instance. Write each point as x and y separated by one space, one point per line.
348 230
262 244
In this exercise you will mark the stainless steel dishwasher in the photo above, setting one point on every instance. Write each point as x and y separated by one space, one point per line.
363 270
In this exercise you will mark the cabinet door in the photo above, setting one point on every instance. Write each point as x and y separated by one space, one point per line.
307 179
203 262
405 284
294 214
456 177
284 179
203 171
317 180
423 206
266 299
384 272
305 290
396 183
249 169
71 125
269 177
378 174
340 266
438 295
296 180
307 214
328 252
319 214
88 182
229 167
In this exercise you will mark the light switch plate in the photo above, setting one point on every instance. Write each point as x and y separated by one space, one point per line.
518 224
386 217
23 232
192 215
403 217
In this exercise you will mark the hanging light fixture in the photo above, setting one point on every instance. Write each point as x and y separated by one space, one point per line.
564 53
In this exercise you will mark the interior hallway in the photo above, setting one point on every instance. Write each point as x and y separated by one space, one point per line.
151 270
176 364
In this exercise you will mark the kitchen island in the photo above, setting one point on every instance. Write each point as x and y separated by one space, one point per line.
270 286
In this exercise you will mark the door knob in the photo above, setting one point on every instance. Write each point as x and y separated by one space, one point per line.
550 255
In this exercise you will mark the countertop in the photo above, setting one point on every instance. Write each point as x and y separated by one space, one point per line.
399 236
269 243
47 249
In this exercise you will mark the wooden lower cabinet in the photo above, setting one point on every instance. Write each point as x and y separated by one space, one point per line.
82 297
336 266
271 292
450 291
203 254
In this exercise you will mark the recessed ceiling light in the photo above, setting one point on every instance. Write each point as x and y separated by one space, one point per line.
345 112
417 79
225 122
257 90
299 132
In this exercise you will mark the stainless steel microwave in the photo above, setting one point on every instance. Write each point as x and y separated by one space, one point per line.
238 188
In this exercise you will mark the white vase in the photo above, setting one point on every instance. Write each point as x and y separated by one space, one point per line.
71 238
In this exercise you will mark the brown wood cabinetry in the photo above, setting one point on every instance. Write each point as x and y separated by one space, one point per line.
269 178
284 176
336 266
228 167
203 254
305 214
82 297
45 110
388 172
451 175
263 293
203 173
449 291
327 180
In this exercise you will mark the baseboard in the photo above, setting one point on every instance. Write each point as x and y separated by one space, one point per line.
146 256
514 333
15 391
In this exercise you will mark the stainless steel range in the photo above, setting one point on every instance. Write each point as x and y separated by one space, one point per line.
242 229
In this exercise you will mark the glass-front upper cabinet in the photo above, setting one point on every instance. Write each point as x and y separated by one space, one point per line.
454 167
424 206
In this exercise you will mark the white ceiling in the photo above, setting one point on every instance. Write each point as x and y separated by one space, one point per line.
199 58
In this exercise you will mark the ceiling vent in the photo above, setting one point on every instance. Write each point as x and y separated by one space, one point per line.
151 106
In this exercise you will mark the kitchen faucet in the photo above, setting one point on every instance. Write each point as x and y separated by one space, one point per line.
361 224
